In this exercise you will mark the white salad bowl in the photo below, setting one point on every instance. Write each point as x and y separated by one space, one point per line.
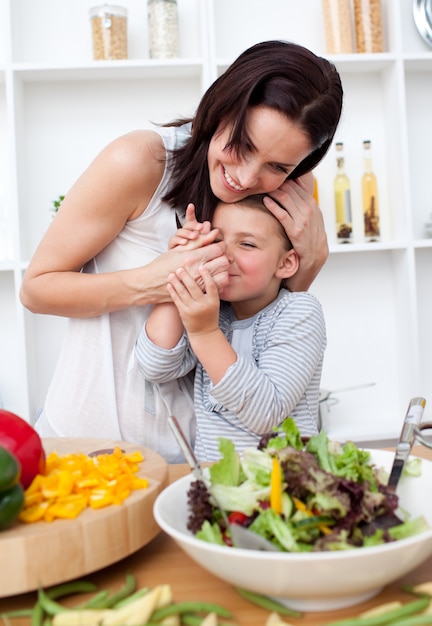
317 581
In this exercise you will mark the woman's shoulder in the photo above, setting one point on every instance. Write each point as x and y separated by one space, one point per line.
137 144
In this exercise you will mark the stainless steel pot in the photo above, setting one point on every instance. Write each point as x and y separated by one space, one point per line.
422 12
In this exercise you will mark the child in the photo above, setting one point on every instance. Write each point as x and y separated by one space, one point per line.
257 347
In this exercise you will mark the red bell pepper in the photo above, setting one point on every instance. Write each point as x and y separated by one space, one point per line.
20 438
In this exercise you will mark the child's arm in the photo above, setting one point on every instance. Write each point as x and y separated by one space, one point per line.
164 326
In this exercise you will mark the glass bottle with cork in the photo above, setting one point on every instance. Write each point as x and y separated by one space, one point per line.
370 196
342 196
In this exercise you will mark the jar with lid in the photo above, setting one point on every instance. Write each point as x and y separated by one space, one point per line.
163 29
109 32
338 27
368 26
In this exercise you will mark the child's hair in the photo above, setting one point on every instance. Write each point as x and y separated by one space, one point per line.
256 201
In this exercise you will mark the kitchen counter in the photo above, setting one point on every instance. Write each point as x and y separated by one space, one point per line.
162 562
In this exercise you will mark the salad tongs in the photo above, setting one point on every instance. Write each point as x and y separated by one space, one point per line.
241 536
408 434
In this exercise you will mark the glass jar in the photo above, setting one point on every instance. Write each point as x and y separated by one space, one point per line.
368 26
338 28
109 32
163 29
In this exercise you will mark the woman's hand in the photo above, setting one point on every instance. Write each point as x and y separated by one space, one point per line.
195 235
210 256
303 222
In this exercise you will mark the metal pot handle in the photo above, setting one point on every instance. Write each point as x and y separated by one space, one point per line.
425 441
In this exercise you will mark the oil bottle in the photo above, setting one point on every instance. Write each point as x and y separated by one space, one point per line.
370 196
342 196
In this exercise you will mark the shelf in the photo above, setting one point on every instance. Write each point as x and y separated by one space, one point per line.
110 70
378 246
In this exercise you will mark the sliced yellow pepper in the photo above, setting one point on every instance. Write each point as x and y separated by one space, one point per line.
75 481
276 486
301 506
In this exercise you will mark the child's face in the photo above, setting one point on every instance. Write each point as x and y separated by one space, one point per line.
257 252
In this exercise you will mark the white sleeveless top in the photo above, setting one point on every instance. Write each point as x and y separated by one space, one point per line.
97 389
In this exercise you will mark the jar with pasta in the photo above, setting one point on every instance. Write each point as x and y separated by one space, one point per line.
338 28
163 29
109 32
368 26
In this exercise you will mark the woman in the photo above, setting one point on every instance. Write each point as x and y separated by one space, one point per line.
103 261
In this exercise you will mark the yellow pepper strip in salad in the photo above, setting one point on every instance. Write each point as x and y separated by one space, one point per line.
301 506
276 486
74 482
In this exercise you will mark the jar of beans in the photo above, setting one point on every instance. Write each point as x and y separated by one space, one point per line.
368 26
163 29
338 28
109 32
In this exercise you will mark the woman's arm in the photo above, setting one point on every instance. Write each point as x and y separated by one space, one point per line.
115 188
304 224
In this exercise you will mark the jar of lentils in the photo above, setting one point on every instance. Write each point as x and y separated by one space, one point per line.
109 32
338 26
368 26
163 29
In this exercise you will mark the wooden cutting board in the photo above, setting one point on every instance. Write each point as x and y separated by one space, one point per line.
49 553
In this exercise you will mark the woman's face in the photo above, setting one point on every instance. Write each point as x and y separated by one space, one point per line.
278 146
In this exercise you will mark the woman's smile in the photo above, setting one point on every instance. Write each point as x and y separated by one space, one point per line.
231 182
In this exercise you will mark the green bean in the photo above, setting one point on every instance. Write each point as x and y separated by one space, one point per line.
128 588
189 619
37 615
415 620
66 589
17 613
267 603
388 617
189 607
96 602
49 606
139 593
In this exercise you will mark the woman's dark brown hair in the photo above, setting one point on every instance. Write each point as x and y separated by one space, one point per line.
278 74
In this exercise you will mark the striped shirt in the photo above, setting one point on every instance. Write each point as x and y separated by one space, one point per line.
277 374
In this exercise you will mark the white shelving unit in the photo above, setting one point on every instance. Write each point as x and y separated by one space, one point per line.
58 108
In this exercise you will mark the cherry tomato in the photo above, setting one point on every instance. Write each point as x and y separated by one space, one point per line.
237 517
20 438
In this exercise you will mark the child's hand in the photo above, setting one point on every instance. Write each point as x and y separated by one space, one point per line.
193 233
197 307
